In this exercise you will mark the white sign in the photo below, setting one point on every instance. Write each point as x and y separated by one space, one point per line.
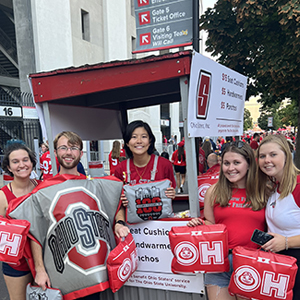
163 24
164 122
30 113
172 282
270 121
155 256
216 99
10 111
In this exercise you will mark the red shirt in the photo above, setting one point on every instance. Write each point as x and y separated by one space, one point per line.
46 166
214 169
239 220
23 263
113 162
164 171
175 160
254 145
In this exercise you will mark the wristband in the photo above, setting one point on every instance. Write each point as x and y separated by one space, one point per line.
121 222
286 243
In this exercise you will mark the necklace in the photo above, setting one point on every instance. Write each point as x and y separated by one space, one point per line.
140 175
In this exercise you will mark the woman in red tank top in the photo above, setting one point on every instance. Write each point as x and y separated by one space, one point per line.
18 162
235 202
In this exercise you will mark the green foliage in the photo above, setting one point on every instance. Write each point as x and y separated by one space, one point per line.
248 121
263 121
289 115
260 39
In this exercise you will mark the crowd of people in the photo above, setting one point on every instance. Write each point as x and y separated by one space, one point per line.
258 188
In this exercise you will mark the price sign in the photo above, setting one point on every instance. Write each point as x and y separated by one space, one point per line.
10 111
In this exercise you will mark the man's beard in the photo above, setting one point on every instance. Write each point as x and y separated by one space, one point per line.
68 166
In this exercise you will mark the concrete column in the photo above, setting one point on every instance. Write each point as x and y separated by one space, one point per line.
25 42
174 114
154 112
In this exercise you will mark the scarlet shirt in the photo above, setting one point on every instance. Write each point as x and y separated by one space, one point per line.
254 145
164 170
46 165
214 169
175 160
23 263
113 162
239 220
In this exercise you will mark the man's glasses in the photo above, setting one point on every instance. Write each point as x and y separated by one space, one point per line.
65 148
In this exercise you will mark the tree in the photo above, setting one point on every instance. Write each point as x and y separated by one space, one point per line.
263 120
248 121
288 114
260 39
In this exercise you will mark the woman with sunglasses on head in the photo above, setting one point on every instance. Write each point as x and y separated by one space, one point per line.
139 143
280 180
234 202
18 162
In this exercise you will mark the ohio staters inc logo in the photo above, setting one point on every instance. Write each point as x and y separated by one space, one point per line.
247 278
203 94
186 253
128 266
202 190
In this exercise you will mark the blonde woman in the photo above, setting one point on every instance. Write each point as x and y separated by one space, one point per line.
280 180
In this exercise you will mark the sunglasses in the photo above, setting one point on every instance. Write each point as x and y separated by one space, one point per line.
238 144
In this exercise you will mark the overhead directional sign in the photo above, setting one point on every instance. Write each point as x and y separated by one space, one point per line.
162 24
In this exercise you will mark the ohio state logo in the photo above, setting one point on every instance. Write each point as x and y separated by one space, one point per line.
186 253
202 190
79 233
247 278
148 203
128 266
203 94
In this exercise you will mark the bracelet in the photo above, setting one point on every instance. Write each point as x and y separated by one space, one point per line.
121 222
286 243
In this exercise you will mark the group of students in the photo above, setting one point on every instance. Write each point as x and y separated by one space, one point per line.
259 192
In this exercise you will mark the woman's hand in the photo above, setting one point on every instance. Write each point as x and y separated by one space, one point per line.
42 279
170 192
195 222
276 244
124 200
121 230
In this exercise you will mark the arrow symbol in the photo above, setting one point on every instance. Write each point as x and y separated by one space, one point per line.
144 18
145 39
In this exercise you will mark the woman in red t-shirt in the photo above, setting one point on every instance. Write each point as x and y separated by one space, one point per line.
18 162
234 202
